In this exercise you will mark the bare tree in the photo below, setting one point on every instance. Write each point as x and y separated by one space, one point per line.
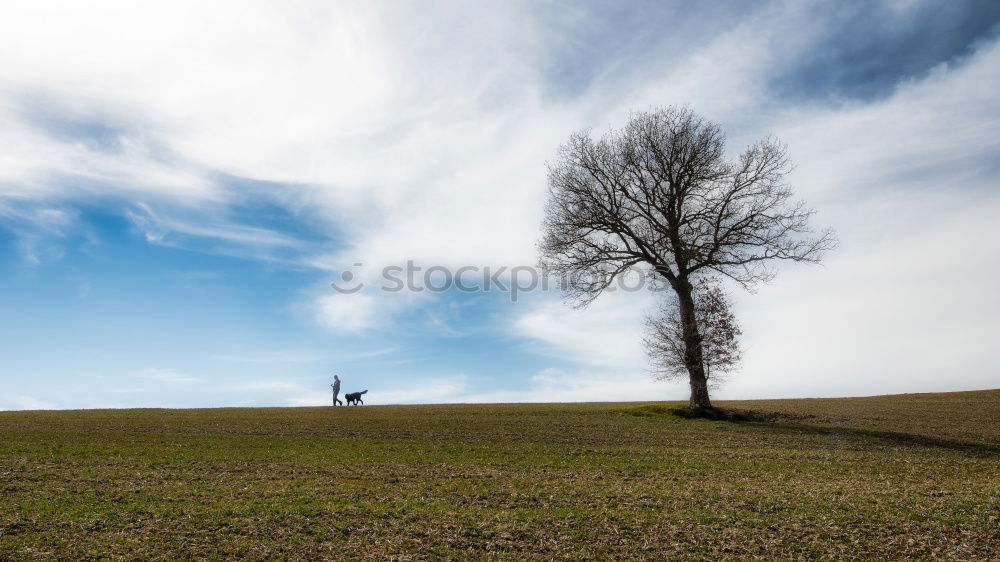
660 193
719 330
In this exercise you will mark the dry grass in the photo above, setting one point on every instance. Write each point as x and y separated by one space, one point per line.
886 477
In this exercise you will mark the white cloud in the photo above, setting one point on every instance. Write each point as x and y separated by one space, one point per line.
38 165
728 79
907 303
937 135
606 334
348 312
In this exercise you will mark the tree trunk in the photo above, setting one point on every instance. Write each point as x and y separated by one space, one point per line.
693 357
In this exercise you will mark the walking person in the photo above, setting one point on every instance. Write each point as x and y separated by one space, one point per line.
336 391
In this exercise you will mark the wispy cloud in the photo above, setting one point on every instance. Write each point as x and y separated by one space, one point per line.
43 232
363 355
215 237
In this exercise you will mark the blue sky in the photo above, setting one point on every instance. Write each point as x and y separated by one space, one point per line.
180 183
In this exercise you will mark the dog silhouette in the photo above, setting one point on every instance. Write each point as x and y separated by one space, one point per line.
354 397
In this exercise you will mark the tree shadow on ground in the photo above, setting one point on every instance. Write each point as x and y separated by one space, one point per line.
891 438
817 425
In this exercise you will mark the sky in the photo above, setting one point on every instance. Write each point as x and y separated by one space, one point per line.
181 182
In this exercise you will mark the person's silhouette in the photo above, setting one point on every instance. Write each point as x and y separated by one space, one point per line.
336 391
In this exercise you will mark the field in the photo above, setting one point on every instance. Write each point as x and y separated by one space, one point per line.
884 477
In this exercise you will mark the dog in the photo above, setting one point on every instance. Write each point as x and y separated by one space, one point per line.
354 397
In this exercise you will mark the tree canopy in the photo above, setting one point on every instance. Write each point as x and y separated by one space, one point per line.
660 194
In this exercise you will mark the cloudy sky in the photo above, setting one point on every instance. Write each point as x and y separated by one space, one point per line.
180 182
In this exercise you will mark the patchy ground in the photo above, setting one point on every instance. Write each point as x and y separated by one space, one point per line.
885 477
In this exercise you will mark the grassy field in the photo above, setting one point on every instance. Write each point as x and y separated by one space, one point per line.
884 477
